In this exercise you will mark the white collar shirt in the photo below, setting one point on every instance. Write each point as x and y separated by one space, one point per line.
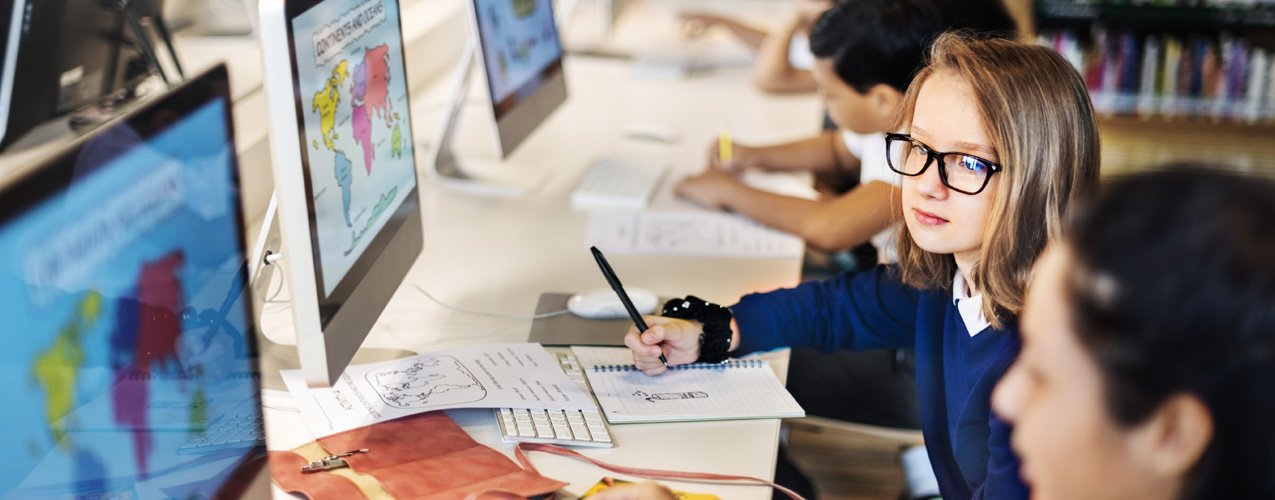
970 307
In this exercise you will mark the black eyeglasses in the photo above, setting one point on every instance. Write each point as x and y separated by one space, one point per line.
961 172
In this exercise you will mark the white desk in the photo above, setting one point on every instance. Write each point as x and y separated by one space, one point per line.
499 255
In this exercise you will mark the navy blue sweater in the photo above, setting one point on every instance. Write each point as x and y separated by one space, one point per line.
955 373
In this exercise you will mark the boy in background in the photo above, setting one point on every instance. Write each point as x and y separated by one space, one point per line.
783 52
865 54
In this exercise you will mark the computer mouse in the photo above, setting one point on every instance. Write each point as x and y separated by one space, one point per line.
604 303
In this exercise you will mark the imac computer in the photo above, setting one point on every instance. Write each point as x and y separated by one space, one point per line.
128 338
59 56
77 58
345 175
520 57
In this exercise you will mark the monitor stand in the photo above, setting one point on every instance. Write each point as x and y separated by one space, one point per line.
274 356
445 168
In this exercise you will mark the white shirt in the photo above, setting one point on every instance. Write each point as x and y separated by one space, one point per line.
870 150
969 307
799 56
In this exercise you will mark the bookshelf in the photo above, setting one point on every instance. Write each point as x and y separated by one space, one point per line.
1193 61
1160 15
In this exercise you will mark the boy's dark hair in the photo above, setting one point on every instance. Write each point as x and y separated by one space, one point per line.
1173 292
872 42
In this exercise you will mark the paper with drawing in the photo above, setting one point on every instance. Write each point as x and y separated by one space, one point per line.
738 389
481 376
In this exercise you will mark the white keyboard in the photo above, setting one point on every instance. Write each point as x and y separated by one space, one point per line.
568 428
227 432
618 183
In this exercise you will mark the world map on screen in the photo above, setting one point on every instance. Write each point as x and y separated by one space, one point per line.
354 103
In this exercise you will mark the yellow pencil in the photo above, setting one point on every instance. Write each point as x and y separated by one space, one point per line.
723 146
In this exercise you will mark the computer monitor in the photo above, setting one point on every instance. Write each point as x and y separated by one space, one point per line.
60 55
345 176
127 332
520 57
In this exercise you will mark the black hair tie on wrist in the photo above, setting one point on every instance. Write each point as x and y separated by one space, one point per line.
715 341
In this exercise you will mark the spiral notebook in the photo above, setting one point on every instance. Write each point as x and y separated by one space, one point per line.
738 389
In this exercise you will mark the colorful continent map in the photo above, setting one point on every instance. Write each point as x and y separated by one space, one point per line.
371 78
341 166
325 102
147 328
369 100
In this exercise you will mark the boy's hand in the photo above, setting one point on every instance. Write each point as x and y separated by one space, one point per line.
677 339
708 189
646 490
741 157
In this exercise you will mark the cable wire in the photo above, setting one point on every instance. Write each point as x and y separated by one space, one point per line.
282 278
486 314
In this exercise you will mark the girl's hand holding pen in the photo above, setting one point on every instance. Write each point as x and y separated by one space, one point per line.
677 339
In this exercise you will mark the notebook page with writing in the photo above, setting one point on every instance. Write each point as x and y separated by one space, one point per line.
741 389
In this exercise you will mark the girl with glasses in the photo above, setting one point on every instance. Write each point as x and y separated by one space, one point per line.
1000 137
1148 361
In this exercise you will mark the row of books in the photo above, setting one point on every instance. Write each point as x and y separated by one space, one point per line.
1219 77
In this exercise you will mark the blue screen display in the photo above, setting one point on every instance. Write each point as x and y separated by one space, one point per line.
125 328
519 40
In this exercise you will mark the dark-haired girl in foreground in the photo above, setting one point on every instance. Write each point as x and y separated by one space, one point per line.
1148 362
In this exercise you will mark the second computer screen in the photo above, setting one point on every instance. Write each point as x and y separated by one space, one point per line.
519 41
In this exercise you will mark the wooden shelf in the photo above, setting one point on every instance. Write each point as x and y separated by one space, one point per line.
1187 125
1132 144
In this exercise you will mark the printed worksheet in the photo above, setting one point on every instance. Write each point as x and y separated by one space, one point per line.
519 375
704 234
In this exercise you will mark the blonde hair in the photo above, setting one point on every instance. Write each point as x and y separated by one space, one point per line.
1041 125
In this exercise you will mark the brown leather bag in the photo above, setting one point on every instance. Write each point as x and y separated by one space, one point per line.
428 456
424 456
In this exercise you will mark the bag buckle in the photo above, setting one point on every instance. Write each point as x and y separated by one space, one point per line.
330 462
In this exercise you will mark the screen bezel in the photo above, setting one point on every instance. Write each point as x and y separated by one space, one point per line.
56 175
331 304
524 92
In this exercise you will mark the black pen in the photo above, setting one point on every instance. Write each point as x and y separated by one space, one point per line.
624 297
